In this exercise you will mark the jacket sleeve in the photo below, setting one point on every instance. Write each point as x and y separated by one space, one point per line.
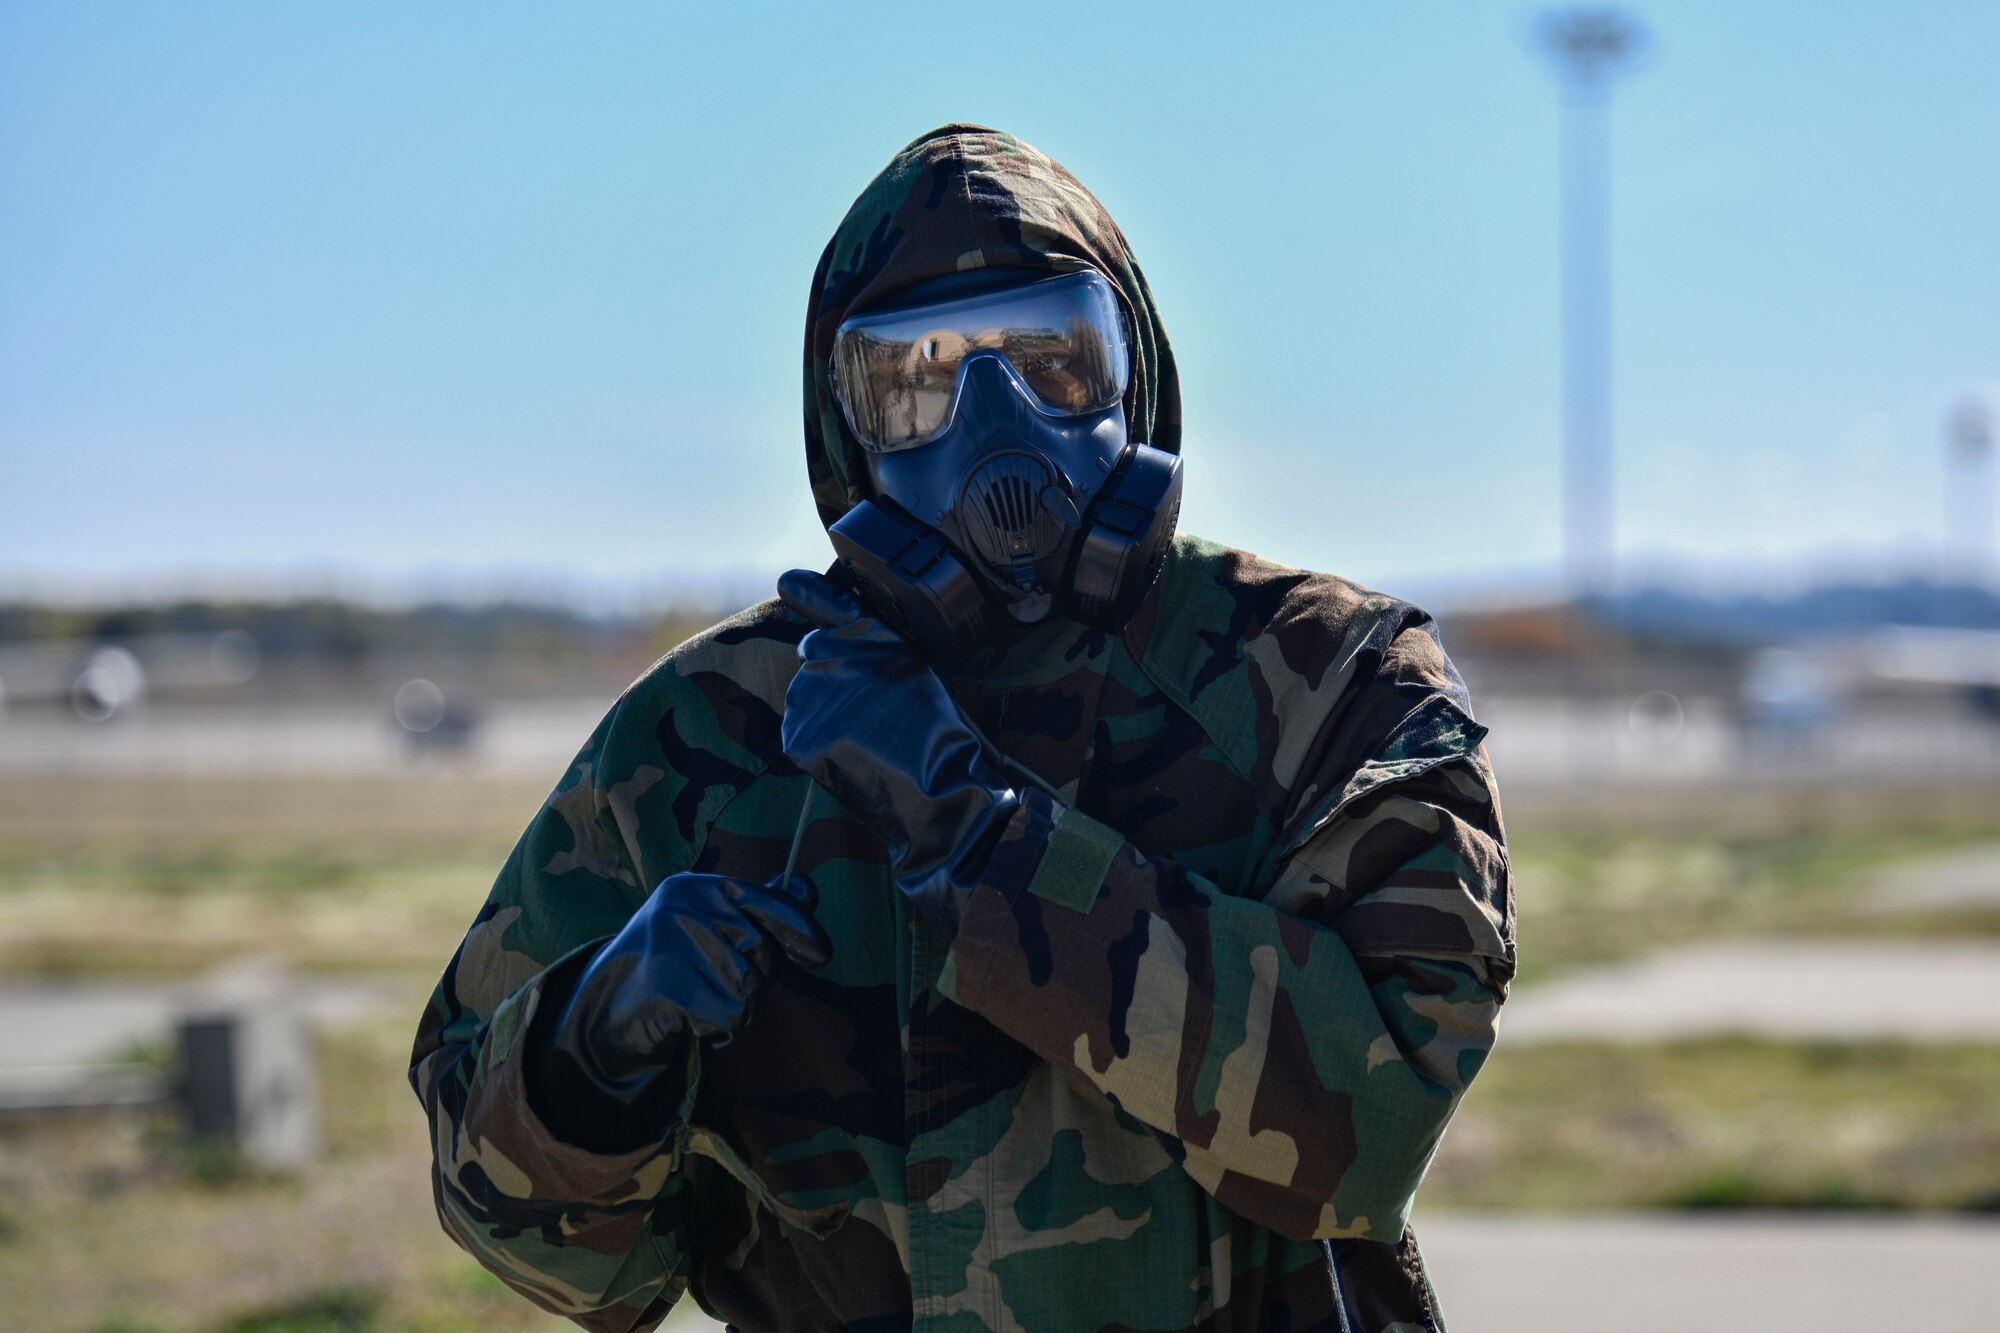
599 1238
1301 1050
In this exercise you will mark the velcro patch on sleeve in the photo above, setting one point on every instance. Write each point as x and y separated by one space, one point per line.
1078 857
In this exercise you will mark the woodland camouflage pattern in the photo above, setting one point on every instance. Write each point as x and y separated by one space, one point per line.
1191 1051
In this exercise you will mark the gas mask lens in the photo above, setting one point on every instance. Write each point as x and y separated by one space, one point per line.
896 371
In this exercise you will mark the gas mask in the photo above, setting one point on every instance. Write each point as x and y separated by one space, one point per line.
1005 484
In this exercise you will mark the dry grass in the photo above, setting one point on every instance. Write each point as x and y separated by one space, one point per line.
1731 1123
106 876
109 1225
1610 878
168 878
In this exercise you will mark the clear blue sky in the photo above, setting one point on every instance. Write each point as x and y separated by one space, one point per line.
445 292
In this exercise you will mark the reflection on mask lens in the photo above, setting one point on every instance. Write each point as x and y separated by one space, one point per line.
896 371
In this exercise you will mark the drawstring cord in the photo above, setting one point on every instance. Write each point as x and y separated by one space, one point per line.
1019 768
799 834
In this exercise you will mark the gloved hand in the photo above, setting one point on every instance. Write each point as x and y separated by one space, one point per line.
872 723
690 964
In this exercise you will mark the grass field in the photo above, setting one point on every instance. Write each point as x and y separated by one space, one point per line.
102 877
168 878
1728 1123
109 1224
1612 877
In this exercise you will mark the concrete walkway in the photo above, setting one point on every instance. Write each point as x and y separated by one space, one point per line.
47 1024
1830 990
1538 744
1655 1274
1620 1273
1817 989
1967 877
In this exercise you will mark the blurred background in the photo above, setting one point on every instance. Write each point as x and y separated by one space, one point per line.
381 389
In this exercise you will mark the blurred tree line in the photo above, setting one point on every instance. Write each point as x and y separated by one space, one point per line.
493 645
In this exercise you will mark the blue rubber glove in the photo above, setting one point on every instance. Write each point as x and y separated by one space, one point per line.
690 964
873 725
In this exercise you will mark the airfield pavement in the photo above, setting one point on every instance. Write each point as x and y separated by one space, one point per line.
1536 744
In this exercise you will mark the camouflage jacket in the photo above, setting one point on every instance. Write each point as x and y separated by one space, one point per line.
1183 1067
1194 1044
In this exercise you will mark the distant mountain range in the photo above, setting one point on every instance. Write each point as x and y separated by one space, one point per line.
1834 608
326 629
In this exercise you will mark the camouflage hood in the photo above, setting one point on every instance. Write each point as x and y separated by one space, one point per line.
963 197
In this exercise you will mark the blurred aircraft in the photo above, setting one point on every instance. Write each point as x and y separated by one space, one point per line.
1790 689
101 678
431 723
